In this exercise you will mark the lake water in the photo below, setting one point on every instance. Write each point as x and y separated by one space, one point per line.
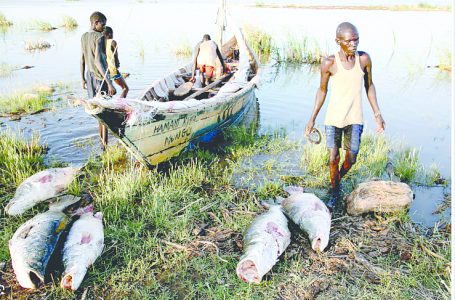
415 100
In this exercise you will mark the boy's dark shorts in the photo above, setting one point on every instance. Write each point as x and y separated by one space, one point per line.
351 137
93 85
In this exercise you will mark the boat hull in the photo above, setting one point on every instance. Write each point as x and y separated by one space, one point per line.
171 132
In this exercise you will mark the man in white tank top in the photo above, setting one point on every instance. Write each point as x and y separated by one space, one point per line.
206 53
349 69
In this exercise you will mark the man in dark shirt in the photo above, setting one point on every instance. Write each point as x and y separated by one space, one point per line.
94 65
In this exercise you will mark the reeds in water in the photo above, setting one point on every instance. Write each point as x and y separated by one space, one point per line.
184 49
41 25
4 22
299 51
37 45
69 23
261 43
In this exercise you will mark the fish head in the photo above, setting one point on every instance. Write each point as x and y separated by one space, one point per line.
320 241
27 277
73 278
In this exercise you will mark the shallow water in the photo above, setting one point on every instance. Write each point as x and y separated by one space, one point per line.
414 100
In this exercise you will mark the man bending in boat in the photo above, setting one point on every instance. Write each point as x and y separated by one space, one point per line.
348 69
205 56
94 65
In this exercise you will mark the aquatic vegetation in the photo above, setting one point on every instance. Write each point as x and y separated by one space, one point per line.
261 43
445 60
41 25
417 7
37 45
25 101
69 23
4 22
6 70
183 49
299 51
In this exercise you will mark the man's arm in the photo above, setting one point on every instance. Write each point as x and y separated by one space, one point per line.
115 51
218 53
82 66
101 64
196 53
371 92
321 93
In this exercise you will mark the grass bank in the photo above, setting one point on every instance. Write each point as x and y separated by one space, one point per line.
27 101
176 232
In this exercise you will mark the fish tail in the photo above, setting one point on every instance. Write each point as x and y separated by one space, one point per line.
268 203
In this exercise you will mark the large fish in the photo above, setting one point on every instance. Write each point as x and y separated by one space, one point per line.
42 186
84 244
34 242
266 239
310 214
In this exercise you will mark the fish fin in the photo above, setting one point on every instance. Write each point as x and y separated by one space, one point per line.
279 200
99 215
293 189
83 210
63 202
268 203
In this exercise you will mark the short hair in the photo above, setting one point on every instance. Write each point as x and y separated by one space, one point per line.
343 27
206 37
108 30
97 16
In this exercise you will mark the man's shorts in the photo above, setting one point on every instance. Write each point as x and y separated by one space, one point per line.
351 137
116 76
95 85
208 70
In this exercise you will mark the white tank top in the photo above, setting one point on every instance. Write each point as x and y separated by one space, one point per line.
207 53
345 105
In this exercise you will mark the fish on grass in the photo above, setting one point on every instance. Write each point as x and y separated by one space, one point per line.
84 244
42 186
266 239
34 242
309 213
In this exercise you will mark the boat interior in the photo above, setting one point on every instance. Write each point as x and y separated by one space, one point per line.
165 89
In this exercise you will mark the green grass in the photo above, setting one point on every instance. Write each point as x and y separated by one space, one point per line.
69 23
41 25
184 49
299 50
4 22
175 233
37 45
261 43
26 102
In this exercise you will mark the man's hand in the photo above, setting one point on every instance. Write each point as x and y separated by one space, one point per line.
309 127
192 79
380 124
111 90
84 84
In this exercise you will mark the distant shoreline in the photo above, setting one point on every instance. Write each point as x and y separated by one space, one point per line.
422 7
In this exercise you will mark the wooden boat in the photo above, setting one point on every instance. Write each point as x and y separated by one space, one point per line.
159 125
